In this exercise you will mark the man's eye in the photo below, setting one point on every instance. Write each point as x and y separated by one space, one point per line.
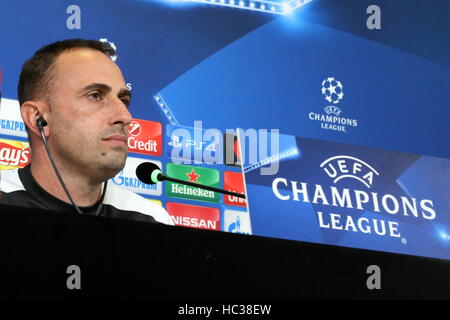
95 95
126 102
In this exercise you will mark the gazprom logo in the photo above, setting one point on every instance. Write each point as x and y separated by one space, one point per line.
347 167
127 178
237 222
11 122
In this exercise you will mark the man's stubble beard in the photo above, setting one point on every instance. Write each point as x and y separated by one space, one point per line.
111 167
117 159
86 156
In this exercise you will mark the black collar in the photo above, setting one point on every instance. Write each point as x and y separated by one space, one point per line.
49 201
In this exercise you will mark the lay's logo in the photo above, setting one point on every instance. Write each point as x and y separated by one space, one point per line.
13 154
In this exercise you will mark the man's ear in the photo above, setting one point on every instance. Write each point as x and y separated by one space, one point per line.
31 111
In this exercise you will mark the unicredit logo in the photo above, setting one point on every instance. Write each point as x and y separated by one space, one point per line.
135 128
233 181
145 137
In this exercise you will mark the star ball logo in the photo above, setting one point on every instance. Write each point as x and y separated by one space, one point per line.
333 92
112 45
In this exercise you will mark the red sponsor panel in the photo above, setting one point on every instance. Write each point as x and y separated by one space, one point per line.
145 137
233 181
187 215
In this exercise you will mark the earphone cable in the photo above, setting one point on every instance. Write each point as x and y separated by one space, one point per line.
57 171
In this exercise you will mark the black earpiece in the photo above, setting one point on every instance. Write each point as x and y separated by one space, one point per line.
40 122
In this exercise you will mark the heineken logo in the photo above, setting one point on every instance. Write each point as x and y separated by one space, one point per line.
176 188
193 176
204 176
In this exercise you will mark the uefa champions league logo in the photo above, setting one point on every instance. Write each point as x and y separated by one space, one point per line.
331 119
114 57
332 110
345 167
333 90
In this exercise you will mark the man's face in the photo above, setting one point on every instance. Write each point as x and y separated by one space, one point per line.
89 118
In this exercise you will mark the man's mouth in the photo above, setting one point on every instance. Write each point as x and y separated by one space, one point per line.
117 139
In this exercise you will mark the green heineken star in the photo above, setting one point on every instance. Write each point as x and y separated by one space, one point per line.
204 176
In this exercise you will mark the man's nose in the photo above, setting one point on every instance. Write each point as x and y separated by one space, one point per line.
121 113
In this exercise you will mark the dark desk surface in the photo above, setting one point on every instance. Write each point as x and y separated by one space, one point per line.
126 259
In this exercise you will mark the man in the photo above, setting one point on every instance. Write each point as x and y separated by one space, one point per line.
73 97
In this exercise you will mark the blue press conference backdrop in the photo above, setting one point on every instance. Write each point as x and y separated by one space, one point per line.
355 196
318 73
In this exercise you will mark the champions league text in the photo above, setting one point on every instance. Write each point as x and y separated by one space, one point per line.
354 199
